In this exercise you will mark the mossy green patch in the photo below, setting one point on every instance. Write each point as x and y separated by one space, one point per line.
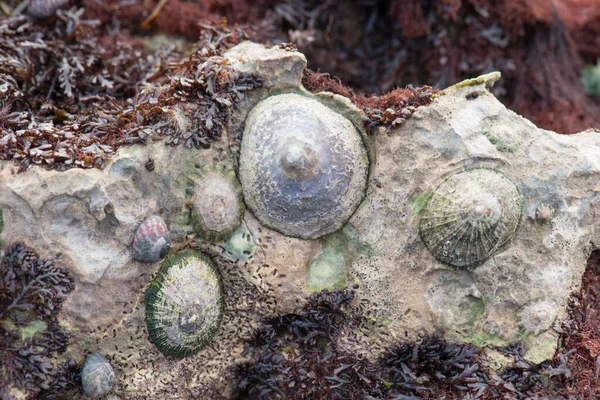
476 309
481 339
240 246
488 80
28 331
329 270
419 201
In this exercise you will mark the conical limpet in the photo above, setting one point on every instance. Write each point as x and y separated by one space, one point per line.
470 216
184 304
217 207
537 317
151 242
303 167
97 376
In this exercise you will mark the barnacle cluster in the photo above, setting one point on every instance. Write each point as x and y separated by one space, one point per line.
184 304
303 167
470 216
32 290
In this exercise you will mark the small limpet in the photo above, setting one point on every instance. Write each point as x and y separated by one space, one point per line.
184 304
470 216
537 317
217 206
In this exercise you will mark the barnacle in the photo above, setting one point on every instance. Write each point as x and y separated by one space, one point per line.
303 167
216 205
152 241
97 376
544 213
537 317
470 216
184 304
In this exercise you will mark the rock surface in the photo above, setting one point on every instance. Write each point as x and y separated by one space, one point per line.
86 219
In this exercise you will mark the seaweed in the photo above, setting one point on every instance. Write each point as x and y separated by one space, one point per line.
32 290
73 98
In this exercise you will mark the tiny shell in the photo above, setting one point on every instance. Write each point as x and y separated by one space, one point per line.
544 213
152 241
303 166
217 205
184 304
45 8
470 216
537 317
97 376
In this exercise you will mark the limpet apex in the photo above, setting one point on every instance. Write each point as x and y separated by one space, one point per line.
303 167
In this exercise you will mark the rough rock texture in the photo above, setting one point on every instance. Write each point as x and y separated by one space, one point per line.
87 220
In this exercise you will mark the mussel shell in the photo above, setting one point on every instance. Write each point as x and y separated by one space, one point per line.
152 241
184 304
470 216
303 167
97 376
217 205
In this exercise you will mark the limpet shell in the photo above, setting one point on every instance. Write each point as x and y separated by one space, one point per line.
184 304
470 216
151 242
537 317
217 206
97 376
303 167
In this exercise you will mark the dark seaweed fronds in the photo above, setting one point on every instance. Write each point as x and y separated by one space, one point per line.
31 293
388 110
72 95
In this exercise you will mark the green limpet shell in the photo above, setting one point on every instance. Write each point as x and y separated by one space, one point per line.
217 205
537 317
303 167
184 304
470 216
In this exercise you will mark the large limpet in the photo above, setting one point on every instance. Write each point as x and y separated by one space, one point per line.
470 216
184 304
303 167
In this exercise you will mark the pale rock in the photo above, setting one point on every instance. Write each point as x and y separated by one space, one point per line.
86 220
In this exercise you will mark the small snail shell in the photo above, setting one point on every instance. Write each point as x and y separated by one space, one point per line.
152 241
97 376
